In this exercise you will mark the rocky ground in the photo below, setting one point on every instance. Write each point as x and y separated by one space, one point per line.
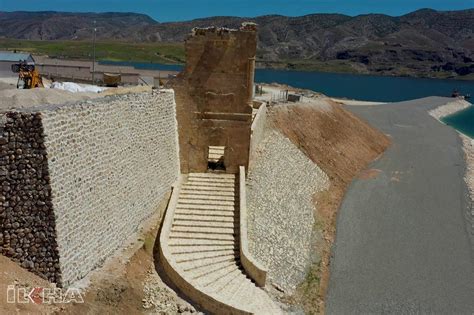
468 145
450 108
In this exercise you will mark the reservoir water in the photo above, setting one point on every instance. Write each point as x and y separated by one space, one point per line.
359 87
462 121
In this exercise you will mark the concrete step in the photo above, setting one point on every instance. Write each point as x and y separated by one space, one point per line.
210 175
227 283
221 276
219 279
193 187
211 193
203 264
203 197
199 243
216 148
209 223
212 180
206 255
204 207
183 250
215 155
206 213
246 297
229 293
210 184
197 201
266 303
201 236
199 219
205 229
195 274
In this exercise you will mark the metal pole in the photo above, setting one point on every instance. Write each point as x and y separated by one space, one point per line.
93 54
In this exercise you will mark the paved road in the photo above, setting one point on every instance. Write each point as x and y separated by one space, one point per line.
403 238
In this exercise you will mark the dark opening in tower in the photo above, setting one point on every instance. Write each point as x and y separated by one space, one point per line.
215 160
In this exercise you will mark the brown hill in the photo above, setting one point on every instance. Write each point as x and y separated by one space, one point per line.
424 43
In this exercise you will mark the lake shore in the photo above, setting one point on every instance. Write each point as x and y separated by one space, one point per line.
468 143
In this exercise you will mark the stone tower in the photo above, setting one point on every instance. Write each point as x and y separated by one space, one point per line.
214 97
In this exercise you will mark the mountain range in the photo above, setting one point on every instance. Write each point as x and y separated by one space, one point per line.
422 43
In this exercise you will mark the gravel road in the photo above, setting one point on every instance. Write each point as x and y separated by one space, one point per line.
404 237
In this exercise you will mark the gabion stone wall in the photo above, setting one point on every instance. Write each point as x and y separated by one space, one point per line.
97 170
27 224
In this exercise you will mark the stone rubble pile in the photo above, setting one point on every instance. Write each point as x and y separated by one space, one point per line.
161 300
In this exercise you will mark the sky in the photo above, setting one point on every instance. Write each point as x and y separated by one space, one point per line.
180 10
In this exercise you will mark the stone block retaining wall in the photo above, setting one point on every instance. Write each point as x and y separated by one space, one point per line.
102 167
257 133
281 213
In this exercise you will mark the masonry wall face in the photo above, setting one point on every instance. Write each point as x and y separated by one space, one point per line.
111 162
214 97
257 134
280 190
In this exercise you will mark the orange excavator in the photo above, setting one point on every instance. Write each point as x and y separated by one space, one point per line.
28 76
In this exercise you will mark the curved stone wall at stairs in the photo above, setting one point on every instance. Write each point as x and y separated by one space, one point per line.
199 247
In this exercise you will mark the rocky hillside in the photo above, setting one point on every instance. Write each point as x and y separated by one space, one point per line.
72 26
425 42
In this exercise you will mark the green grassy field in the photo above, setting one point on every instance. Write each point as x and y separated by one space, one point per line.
167 53
173 53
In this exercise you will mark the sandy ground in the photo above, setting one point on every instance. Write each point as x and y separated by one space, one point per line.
7 82
403 233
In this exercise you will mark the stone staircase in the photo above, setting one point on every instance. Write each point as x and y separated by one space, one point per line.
200 247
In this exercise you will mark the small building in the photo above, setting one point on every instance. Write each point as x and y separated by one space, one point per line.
294 98
7 58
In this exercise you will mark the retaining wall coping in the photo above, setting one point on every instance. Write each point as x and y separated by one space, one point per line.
253 268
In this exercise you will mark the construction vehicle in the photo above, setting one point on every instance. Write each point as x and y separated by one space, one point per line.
112 79
28 76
